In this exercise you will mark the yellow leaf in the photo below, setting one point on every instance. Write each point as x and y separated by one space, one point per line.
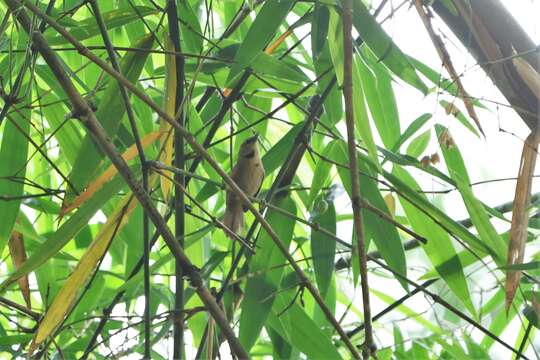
390 203
67 295
109 173
166 155
18 257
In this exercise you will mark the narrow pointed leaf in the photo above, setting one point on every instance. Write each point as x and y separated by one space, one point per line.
323 247
64 300
13 154
458 173
438 248
384 48
110 111
262 288
265 26
520 215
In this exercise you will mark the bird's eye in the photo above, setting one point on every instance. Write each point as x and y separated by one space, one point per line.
250 154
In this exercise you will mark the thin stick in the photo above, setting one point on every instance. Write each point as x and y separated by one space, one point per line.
447 63
355 177
179 179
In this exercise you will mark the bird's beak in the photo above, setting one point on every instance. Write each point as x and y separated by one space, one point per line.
253 138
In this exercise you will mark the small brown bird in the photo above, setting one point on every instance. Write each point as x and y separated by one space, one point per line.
248 173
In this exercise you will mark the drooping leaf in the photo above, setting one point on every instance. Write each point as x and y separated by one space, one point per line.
323 247
411 130
383 233
438 247
13 154
458 173
65 298
18 257
383 47
520 215
297 328
262 288
65 232
419 144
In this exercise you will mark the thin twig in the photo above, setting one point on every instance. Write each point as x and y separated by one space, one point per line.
447 63
179 179
142 158
368 346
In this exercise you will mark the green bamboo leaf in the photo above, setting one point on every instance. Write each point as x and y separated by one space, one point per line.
274 157
110 112
282 349
453 109
383 46
411 130
436 78
10 340
319 29
299 330
261 289
373 98
66 133
323 247
268 65
361 118
479 216
335 44
321 174
333 109
419 144
384 235
434 212
438 248
13 154
88 28
190 28
387 121
533 265
67 231
263 29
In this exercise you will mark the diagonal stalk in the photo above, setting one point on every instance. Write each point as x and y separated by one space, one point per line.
355 178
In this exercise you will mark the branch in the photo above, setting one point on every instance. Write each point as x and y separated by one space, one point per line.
355 178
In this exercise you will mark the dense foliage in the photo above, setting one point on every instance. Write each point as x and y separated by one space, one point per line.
73 280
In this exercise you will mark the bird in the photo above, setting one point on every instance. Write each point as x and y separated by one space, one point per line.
248 174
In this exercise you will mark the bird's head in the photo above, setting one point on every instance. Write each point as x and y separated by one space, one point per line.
249 148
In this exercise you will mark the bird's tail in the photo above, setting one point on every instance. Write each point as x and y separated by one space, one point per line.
234 218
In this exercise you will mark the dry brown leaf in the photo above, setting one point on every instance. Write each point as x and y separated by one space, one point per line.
18 256
425 161
434 158
520 215
451 109
446 139
529 75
